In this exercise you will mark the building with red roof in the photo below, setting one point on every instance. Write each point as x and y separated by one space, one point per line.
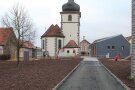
7 42
85 47
28 46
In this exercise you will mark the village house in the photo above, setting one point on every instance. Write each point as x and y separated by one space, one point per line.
64 41
8 42
85 47
28 47
110 47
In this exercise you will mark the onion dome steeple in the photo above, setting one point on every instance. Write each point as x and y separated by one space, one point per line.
71 6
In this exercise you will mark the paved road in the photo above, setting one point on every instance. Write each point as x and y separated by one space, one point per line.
91 75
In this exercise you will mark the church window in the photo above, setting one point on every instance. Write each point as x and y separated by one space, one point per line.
69 17
68 51
73 51
59 44
43 43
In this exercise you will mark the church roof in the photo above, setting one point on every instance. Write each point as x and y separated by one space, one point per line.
4 35
71 6
71 44
53 31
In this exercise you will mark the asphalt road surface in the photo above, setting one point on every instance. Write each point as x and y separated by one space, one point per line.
91 75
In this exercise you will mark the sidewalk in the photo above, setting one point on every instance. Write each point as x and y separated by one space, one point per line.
91 75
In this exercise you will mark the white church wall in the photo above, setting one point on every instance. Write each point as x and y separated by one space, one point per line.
62 42
51 46
70 28
70 31
68 52
74 17
43 49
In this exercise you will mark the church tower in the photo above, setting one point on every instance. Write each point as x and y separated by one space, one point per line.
70 22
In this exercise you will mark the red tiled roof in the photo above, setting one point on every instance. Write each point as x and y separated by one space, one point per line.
53 31
28 44
83 41
4 34
71 44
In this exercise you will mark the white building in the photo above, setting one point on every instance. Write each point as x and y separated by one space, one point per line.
64 41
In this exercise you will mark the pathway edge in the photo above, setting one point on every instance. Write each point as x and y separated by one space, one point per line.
65 78
115 77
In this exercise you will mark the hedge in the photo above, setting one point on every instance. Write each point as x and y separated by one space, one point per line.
5 57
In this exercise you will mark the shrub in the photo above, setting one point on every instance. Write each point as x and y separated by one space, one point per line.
5 57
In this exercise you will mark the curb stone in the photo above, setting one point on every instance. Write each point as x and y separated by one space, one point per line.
63 80
124 85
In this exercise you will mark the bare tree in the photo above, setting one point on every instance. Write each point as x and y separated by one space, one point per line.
22 25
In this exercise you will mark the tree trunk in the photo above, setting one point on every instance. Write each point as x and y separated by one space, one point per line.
18 54
133 41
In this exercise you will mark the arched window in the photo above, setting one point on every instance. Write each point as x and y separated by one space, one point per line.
68 51
73 51
69 17
59 44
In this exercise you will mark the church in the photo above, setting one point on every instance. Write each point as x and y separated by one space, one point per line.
64 41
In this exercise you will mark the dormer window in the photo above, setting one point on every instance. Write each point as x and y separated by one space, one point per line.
69 17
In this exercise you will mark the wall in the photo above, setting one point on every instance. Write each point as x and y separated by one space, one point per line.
133 40
118 42
62 43
70 54
25 49
10 47
71 29
85 47
1 49
74 17
51 46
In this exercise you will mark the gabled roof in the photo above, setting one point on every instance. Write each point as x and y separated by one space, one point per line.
28 44
103 39
53 31
85 41
4 35
71 44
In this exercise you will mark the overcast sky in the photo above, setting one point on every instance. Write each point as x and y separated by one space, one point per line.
99 19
